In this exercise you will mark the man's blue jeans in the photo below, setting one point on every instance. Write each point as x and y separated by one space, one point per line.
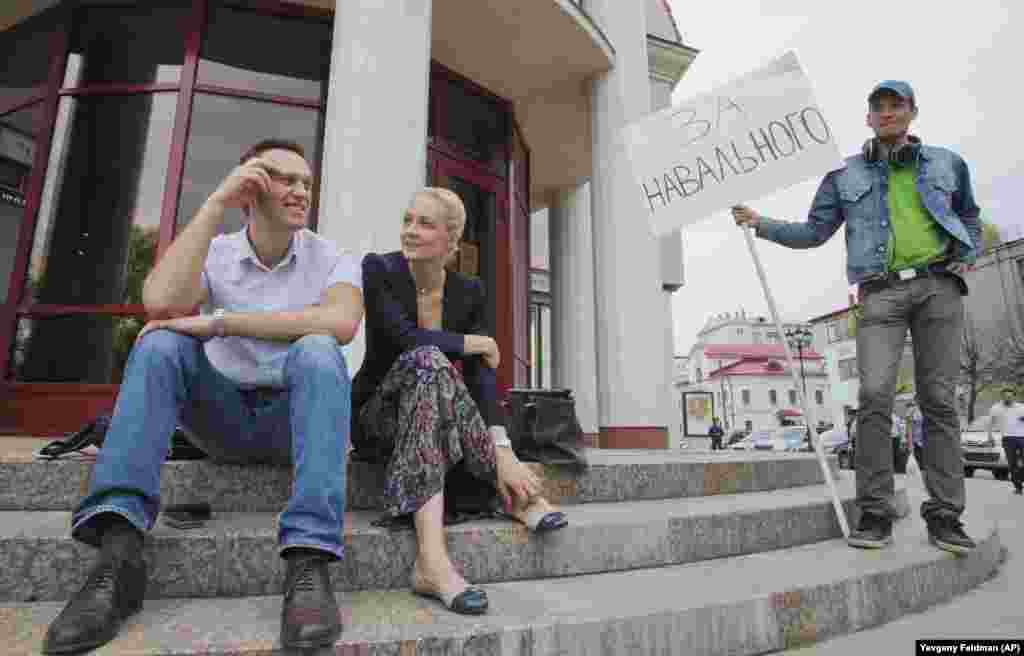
169 381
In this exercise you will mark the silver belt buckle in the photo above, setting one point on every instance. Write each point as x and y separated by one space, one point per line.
907 274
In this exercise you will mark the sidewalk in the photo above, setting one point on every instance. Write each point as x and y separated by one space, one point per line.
993 610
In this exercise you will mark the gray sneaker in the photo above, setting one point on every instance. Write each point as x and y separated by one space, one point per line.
947 532
872 532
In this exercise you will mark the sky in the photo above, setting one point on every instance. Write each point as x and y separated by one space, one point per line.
963 64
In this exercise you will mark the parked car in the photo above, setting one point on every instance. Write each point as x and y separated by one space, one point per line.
787 438
981 453
745 444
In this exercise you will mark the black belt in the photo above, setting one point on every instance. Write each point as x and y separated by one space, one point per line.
260 395
883 280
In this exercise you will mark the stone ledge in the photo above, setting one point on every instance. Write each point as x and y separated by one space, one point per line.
236 554
27 484
743 606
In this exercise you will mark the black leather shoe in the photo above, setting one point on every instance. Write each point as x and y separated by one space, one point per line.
872 532
309 614
947 532
112 592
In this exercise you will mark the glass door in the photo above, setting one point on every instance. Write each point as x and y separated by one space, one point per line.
486 252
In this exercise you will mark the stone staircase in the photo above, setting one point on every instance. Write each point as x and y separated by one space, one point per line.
665 553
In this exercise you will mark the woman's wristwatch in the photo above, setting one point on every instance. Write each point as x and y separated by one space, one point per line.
500 437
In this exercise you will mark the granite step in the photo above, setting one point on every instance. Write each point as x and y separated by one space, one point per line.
28 484
235 554
745 605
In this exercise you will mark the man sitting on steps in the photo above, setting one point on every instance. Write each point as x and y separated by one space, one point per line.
261 379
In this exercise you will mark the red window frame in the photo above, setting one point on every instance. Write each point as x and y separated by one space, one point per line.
63 406
47 408
512 271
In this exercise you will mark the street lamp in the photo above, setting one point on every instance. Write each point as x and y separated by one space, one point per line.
800 338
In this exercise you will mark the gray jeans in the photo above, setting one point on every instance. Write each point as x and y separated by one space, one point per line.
932 308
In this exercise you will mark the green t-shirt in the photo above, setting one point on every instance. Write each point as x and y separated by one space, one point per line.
915 238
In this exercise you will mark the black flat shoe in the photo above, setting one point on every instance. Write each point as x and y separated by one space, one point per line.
471 601
113 592
541 522
309 614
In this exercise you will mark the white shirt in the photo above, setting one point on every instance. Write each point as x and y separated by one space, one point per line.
998 416
237 281
1013 421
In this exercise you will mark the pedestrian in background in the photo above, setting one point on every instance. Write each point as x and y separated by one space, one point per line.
716 434
1007 417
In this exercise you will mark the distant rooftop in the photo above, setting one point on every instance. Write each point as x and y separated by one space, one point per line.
753 351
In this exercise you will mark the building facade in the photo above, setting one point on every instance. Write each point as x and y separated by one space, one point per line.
117 119
741 362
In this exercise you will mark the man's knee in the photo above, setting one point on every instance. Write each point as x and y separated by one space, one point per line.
875 394
317 353
164 345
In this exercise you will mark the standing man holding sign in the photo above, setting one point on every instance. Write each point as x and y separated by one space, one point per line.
911 233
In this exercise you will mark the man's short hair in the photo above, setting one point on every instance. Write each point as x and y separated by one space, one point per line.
263 146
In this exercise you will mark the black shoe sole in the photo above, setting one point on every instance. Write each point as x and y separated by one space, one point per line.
958 549
867 543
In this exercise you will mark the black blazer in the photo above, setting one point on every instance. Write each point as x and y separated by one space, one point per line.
389 295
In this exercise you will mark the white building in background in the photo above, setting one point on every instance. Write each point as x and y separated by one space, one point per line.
835 336
741 362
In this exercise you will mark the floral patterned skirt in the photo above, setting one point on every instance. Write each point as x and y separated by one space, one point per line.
424 415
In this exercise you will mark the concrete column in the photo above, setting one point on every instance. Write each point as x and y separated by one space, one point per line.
571 255
376 125
632 373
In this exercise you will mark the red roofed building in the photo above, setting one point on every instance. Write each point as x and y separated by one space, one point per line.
742 363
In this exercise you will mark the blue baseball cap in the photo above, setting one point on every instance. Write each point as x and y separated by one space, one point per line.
899 87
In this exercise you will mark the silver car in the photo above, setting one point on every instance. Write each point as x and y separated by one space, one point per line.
979 452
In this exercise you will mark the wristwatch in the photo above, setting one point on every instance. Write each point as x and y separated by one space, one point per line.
218 322
500 437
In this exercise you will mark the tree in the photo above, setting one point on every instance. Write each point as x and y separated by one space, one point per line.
978 365
1009 362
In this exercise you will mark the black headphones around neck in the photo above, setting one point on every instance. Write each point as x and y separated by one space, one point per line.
903 155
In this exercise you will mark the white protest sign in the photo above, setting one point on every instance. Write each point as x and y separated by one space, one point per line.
759 133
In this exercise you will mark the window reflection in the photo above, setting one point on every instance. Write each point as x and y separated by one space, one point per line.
19 134
475 124
127 45
99 214
218 138
36 357
24 59
240 51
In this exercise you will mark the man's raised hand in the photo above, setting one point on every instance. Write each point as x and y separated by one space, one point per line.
244 185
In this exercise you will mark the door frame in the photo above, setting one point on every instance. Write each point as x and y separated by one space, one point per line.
441 162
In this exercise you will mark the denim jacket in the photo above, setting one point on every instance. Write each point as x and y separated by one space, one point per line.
857 194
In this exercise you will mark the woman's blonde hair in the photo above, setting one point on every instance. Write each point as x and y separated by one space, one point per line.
454 212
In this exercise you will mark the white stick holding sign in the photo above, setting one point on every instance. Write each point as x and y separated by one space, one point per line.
750 137
819 449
